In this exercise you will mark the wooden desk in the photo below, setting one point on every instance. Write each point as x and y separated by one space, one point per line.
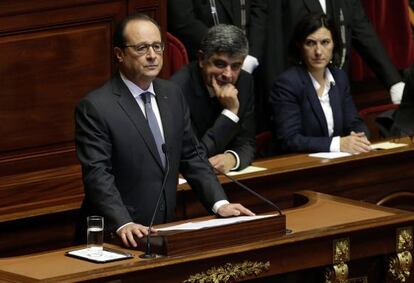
371 231
35 225
368 177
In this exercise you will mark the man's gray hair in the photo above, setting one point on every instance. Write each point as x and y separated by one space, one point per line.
227 39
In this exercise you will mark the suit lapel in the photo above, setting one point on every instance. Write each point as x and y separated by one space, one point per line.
312 97
133 111
313 6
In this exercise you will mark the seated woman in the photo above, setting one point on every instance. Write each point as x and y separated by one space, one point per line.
311 102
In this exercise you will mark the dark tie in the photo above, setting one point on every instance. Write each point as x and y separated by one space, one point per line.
153 124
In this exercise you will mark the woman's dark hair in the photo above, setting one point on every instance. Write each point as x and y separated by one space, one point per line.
308 25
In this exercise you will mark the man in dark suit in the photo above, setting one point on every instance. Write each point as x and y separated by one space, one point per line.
189 20
121 131
221 98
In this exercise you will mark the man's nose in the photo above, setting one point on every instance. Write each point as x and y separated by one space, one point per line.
227 71
151 53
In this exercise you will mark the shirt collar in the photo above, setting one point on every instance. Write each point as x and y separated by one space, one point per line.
134 89
329 80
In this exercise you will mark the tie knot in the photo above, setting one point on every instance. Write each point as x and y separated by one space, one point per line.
146 97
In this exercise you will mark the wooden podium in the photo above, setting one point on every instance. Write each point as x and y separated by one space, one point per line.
362 241
182 242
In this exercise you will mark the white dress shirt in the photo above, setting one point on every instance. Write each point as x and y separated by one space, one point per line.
323 5
326 107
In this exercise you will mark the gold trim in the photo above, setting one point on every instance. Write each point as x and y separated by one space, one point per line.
229 271
341 251
404 240
338 273
399 266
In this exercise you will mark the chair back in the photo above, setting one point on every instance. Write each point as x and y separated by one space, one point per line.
369 115
176 55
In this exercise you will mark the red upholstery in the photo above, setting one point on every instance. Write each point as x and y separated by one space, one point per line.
176 54
391 20
377 109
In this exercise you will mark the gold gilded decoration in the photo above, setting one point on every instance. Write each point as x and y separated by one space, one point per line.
341 253
341 250
404 239
229 271
338 273
399 266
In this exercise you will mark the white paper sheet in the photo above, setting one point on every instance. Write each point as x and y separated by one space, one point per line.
330 155
387 145
248 169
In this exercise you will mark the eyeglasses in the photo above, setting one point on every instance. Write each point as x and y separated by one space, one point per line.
142 49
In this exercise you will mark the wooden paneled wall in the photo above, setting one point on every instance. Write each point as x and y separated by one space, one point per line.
52 53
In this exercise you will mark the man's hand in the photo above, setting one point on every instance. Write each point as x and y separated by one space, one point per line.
355 143
223 162
233 209
227 96
130 230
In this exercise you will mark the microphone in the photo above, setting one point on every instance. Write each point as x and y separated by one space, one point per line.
148 254
236 181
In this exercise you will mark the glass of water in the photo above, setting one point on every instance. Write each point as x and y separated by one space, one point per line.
95 226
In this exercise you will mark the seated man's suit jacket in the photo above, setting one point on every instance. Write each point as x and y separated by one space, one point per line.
299 122
122 170
216 131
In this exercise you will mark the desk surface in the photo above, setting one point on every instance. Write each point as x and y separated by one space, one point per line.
323 216
369 177
289 163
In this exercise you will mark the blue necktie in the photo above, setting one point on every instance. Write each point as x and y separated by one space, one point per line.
153 124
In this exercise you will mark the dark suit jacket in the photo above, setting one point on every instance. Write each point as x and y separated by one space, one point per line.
216 131
190 19
300 124
122 171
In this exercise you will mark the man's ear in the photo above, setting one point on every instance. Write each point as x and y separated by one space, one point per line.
118 54
201 57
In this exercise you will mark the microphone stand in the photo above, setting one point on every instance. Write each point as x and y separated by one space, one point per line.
148 253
